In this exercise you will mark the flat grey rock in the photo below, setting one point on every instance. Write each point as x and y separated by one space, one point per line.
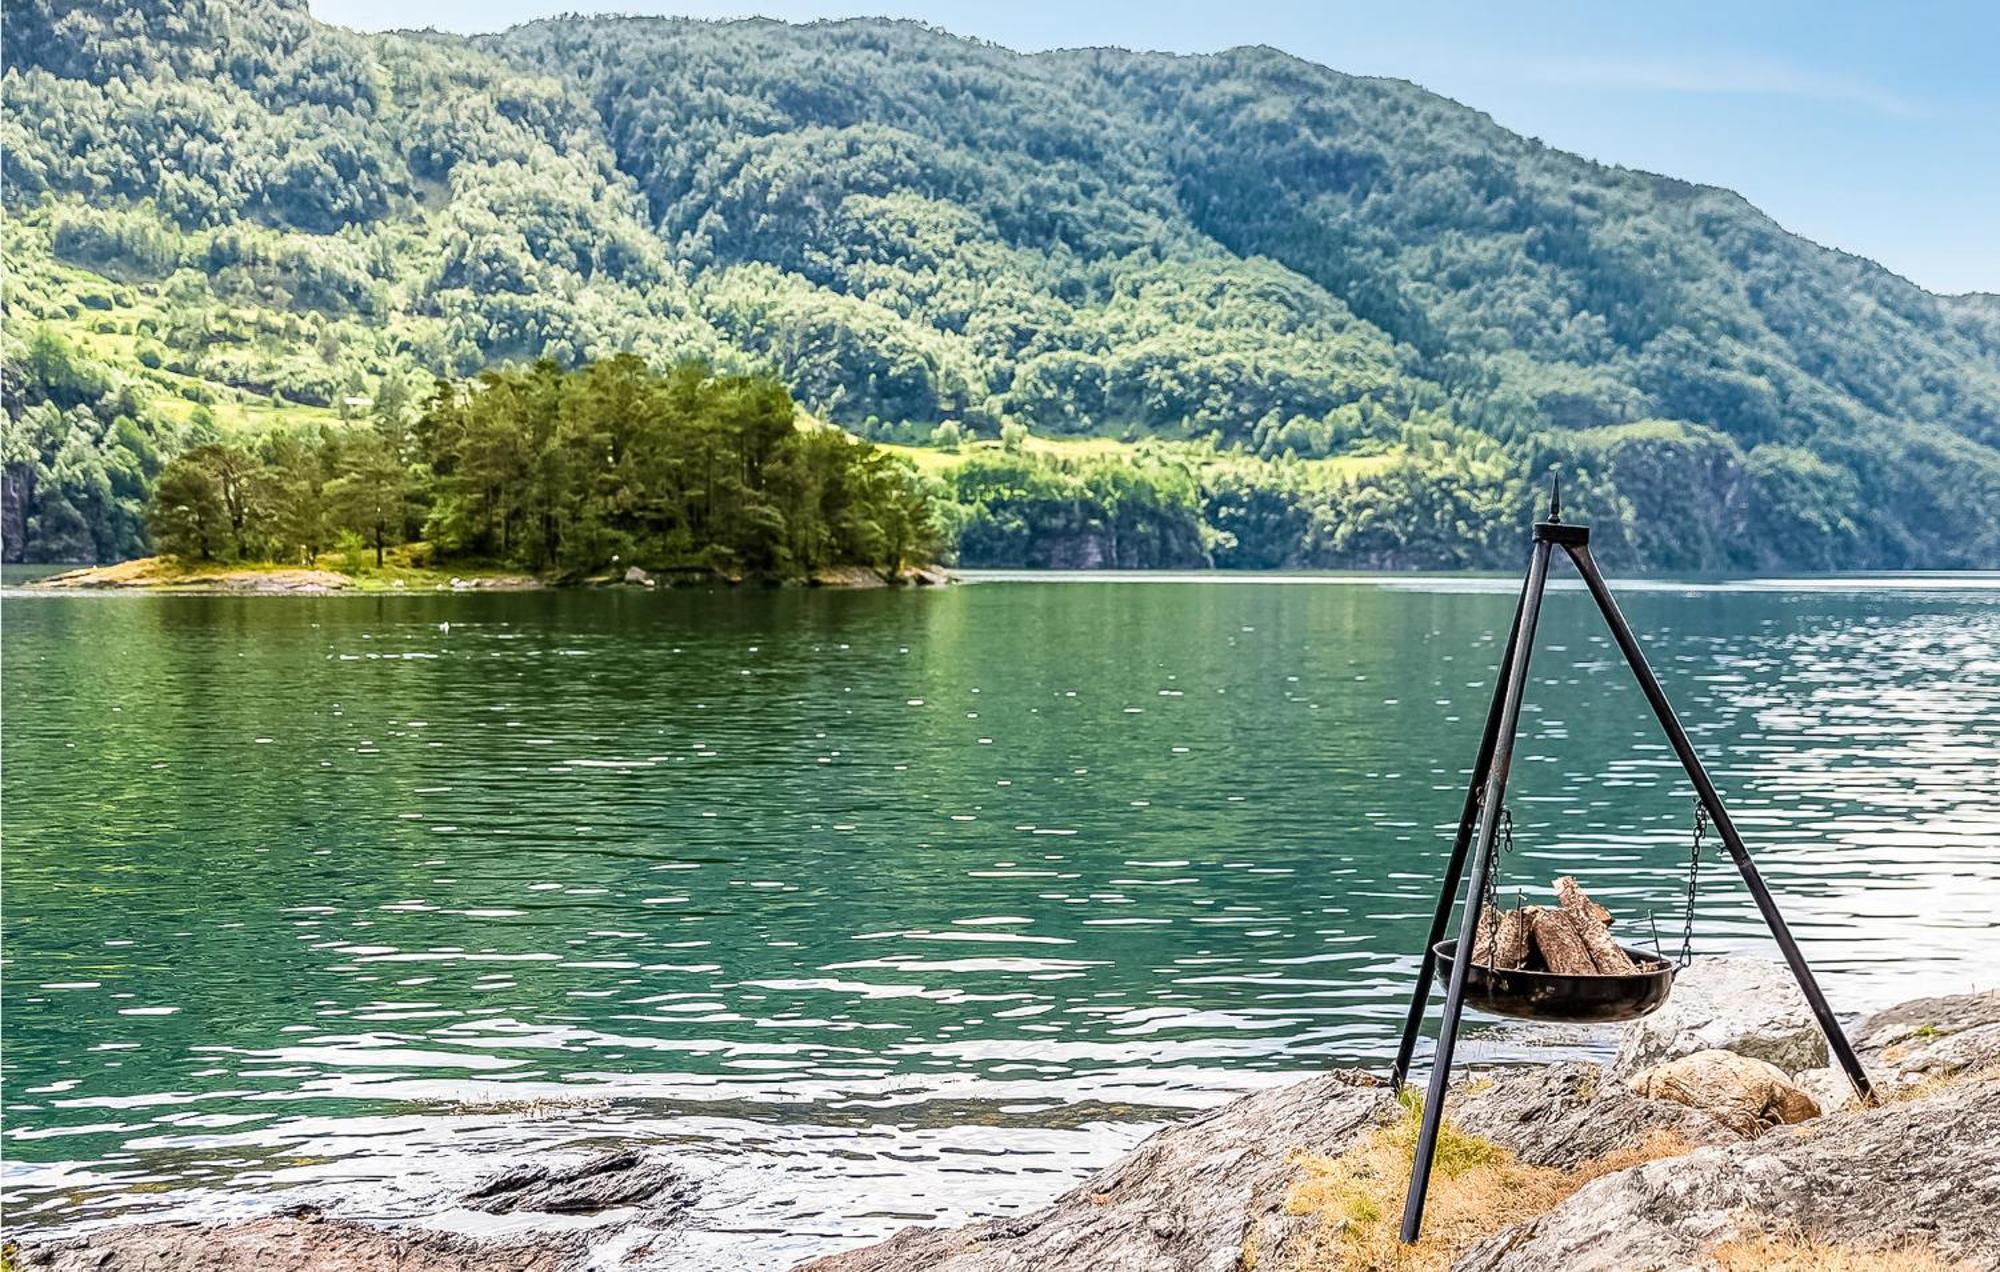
1752 1007
299 1240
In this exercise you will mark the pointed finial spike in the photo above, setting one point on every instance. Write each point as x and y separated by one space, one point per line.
1556 495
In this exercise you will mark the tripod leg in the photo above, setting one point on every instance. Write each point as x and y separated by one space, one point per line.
1482 864
1649 684
1455 868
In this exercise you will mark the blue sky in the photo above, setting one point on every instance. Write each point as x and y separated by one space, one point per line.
1872 127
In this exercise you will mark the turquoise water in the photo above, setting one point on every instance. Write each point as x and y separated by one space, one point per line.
879 907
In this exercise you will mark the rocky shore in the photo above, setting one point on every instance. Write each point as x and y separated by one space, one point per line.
1718 1138
163 574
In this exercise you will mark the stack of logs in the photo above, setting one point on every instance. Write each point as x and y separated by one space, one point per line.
1573 939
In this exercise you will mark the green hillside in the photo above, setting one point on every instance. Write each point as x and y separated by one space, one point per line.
1362 319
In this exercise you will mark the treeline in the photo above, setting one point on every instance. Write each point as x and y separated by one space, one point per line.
560 472
1663 496
81 447
1183 507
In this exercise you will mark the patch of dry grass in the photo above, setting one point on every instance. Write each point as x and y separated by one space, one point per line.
1477 1189
1803 1254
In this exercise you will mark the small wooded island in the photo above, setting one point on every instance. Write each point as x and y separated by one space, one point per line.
610 472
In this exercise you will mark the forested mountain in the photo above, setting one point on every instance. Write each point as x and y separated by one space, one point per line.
1370 317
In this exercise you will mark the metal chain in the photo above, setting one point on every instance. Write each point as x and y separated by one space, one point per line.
1694 881
1506 846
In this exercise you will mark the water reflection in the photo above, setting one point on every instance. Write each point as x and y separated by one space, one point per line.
881 907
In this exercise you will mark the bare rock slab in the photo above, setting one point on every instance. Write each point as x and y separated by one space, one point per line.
1928 1038
1910 1044
1924 1173
1183 1201
1752 1007
306 1240
301 1241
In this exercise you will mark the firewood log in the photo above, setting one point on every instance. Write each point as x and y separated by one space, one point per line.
1610 960
1571 895
1482 941
1583 912
1510 941
1502 940
1557 940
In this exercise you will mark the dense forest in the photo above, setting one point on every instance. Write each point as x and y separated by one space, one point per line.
1329 320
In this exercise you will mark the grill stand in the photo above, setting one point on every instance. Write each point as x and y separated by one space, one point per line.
1478 823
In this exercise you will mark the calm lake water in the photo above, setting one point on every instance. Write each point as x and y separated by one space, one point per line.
878 907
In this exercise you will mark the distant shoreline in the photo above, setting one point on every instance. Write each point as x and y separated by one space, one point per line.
148 575
164 576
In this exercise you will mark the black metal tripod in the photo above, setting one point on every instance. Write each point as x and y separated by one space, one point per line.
1479 820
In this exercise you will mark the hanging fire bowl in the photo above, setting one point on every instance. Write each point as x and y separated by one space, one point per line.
1576 1000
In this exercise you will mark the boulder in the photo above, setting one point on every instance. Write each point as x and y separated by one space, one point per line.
1566 1114
637 576
1923 1174
1752 1007
1929 1038
605 1182
1747 1096
1183 1201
